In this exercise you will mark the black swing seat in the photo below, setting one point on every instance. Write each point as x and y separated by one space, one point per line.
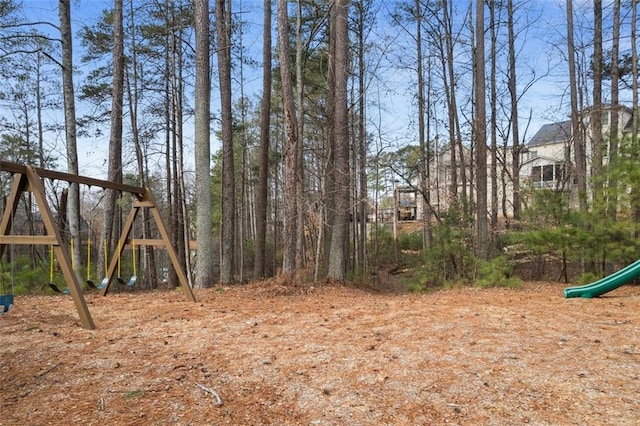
55 288
6 301
130 283
102 285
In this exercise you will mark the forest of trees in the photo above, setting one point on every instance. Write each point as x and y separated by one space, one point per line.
269 133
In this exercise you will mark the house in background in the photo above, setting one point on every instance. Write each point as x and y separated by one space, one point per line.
441 172
548 158
546 162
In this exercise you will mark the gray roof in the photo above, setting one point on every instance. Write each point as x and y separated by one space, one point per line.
551 133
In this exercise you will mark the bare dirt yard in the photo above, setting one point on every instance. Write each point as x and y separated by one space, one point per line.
267 353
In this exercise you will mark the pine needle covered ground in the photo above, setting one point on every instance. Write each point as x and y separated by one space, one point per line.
272 353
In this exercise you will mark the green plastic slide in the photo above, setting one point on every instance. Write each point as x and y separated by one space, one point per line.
606 284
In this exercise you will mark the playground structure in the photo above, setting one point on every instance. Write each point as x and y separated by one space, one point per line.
606 284
27 178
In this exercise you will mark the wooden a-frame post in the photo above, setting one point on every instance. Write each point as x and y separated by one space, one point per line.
28 180
145 200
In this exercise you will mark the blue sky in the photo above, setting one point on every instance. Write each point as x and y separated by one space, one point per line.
545 101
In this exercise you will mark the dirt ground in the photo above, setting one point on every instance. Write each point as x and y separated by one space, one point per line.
266 353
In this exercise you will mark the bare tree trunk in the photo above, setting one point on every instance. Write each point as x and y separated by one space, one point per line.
427 210
451 100
515 127
422 133
114 172
596 108
614 128
480 126
70 127
204 233
41 157
634 75
179 193
168 125
223 30
291 143
339 235
362 204
329 165
300 243
148 261
635 193
243 208
263 163
578 141
493 25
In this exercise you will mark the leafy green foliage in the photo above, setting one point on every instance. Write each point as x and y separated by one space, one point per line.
495 273
450 257
410 241
381 245
550 225
587 278
22 277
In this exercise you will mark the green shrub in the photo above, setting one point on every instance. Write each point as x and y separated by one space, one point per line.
495 273
410 241
587 278
380 245
22 277
415 287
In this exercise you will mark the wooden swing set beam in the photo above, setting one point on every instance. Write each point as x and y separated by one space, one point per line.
6 166
30 179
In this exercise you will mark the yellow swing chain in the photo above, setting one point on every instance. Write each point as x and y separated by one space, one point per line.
89 258
133 248
51 263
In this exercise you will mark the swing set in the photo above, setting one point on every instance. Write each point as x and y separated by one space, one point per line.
27 178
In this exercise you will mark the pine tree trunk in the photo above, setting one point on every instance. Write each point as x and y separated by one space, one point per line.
263 162
361 259
204 269
223 31
301 259
578 141
452 108
133 92
291 144
480 126
70 127
515 128
596 108
494 119
635 193
614 140
339 234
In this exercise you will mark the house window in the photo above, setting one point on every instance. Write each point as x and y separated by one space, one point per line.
536 174
605 118
547 176
533 154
